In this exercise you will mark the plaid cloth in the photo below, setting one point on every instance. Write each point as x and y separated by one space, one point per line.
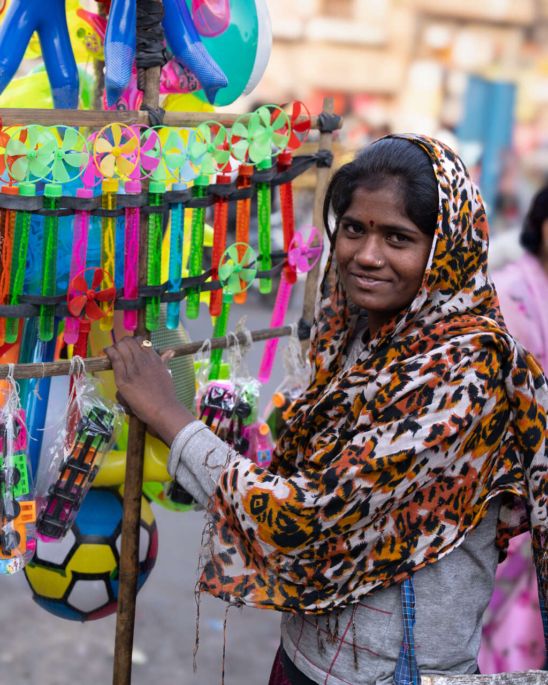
407 669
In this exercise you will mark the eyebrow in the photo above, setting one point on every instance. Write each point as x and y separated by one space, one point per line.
385 227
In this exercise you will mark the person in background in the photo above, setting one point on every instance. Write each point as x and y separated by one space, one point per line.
418 449
512 635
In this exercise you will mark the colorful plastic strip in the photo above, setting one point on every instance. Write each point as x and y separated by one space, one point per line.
78 261
220 222
196 247
175 258
7 240
131 255
46 326
264 210
243 216
154 254
21 244
219 331
108 244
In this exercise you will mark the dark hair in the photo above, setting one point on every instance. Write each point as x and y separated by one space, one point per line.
531 232
384 160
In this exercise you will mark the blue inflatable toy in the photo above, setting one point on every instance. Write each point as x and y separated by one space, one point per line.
49 20
120 40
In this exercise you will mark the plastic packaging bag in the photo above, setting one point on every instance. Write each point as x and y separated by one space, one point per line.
17 505
298 373
91 424
230 407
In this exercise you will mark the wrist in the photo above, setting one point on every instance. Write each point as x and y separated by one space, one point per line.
170 420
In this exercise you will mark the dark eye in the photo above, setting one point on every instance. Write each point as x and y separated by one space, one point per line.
351 229
399 238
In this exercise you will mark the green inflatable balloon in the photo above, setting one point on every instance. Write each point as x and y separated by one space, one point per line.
242 51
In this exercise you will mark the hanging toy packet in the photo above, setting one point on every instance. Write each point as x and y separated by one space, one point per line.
229 405
17 505
298 375
91 424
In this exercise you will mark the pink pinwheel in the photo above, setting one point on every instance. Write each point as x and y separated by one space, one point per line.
304 253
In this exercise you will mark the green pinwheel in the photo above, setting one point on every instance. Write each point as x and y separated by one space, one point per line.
210 151
259 139
236 274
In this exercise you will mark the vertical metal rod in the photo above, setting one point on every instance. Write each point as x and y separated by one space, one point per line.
129 553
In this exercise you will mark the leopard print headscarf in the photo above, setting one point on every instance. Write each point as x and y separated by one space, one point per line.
386 466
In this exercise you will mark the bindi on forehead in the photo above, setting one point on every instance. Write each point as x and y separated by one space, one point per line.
371 224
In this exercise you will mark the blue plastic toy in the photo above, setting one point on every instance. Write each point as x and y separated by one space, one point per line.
187 47
120 40
49 20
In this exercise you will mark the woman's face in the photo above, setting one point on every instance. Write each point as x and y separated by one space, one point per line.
381 253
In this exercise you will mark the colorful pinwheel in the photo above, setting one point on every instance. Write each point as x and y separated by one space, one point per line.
90 179
89 302
266 134
29 153
149 162
71 156
184 170
236 274
82 298
300 128
207 151
304 252
220 221
116 153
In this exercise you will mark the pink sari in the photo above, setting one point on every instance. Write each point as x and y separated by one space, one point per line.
512 634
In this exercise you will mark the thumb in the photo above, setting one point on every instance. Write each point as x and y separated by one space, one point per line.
167 356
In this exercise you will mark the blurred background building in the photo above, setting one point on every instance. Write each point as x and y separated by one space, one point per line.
473 73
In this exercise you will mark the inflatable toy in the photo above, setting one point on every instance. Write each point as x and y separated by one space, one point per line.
35 87
77 577
119 48
187 47
242 51
48 19
211 17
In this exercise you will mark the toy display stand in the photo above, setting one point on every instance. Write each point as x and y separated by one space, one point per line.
129 556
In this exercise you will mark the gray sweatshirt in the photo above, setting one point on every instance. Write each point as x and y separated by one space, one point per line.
451 595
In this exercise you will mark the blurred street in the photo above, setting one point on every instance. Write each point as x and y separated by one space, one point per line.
37 647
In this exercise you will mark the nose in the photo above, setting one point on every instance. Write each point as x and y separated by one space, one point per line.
369 253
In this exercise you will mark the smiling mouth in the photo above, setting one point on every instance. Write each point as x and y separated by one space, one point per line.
367 281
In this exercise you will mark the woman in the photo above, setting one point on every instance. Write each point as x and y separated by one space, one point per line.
522 285
418 449
512 634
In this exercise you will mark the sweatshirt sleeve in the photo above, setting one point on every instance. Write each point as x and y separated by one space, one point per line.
196 459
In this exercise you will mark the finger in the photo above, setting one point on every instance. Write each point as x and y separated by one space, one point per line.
167 356
122 402
129 348
118 363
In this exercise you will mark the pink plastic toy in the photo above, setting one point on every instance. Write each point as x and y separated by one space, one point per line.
211 17
304 252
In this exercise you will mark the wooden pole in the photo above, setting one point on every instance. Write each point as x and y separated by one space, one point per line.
133 485
97 119
94 364
323 174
